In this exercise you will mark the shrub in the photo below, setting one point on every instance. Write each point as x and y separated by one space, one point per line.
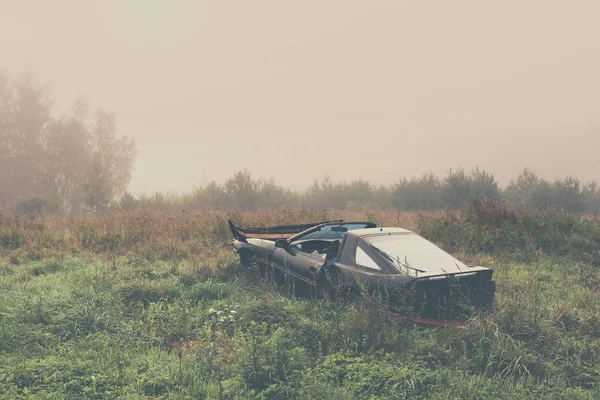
36 206
523 233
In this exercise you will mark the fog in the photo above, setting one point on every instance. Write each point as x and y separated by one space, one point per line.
352 89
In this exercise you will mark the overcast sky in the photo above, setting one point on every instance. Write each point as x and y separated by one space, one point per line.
297 89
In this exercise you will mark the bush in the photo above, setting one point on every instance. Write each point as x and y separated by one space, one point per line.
522 233
36 206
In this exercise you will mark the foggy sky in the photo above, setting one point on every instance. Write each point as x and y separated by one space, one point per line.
296 89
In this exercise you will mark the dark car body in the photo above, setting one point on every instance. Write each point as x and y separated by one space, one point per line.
409 273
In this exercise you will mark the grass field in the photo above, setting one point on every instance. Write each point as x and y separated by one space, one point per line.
155 305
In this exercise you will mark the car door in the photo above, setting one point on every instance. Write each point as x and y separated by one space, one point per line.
296 266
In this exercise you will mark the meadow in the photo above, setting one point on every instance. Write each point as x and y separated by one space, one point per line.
154 304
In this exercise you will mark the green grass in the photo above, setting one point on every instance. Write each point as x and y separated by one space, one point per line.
87 328
94 316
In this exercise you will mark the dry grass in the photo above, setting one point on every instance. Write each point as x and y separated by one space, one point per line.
162 234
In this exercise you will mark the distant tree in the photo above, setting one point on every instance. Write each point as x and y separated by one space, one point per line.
521 190
357 194
6 156
58 161
568 195
97 189
128 201
272 195
591 197
383 197
456 190
69 161
213 195
483 186
24 118
112 162
421 193
527 181
541 195
242 190
322 194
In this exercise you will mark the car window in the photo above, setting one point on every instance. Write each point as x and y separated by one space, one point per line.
327 233
413 254
364 260
313 248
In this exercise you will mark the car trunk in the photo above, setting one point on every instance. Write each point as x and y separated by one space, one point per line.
454 296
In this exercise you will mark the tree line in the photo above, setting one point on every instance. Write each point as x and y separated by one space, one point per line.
70 163
426 192
79 162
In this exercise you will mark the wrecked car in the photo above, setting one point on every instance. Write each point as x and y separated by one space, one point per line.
410 274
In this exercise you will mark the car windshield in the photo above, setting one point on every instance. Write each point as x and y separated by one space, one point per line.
330 232
412 254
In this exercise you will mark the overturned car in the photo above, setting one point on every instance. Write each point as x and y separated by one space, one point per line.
411 275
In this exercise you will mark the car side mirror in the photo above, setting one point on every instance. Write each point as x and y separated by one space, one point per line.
282 244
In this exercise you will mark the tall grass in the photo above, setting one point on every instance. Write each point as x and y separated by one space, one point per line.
156 305
155 234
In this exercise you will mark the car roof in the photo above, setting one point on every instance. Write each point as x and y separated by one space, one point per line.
375 231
